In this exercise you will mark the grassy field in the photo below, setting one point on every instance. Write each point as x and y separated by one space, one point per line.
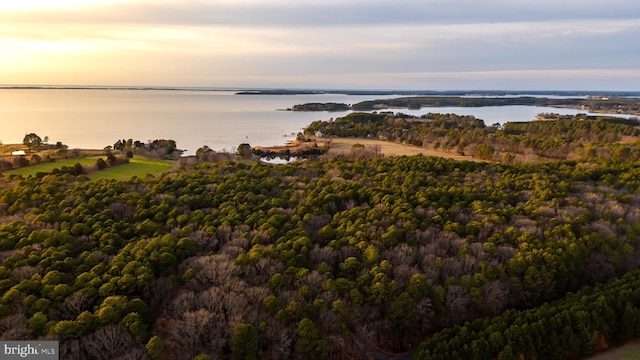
136 167
48 167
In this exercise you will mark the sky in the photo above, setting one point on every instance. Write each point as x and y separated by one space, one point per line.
326 44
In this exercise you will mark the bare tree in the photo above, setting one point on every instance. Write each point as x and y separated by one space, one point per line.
136 353
121 209
427 262
204 241
457 304
402 273
216 270
451 267
211 299
24 272
424 308
168 289
184 302
496 296
74 305
505 253
317 222
402 254
108 342
189 329
254 298
14 327
72 349
224 233
325 254
265 268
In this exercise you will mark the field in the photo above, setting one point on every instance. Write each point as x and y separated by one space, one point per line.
387 148
136 167
48 167
629 351
341 146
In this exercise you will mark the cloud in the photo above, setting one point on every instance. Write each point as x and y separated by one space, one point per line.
190 41
331 13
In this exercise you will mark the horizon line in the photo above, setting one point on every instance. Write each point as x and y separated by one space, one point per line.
306 90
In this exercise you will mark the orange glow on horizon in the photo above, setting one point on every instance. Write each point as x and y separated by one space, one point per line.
30 5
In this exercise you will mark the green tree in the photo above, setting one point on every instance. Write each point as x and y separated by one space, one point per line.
32 141
403 316
485 151
310 344
202 152
155 348
101 164
244 150
38 323
245 342
67 329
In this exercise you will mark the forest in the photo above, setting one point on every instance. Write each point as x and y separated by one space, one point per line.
341 258
578 137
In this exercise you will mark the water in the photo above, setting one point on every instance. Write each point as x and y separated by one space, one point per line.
82 118
503 114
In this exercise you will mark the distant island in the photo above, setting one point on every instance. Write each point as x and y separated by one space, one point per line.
603 104
321 107
538 93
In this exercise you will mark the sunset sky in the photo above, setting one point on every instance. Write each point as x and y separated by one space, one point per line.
401 44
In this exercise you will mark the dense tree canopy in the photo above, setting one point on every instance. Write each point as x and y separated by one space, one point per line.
564 138
579 325
340 258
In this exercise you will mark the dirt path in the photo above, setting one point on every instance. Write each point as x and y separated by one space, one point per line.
628 351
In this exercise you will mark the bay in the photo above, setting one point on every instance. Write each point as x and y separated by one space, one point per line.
92 118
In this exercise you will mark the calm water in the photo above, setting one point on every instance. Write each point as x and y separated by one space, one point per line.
218 119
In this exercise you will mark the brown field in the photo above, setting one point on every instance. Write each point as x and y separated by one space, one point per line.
629 351
6 149
343 145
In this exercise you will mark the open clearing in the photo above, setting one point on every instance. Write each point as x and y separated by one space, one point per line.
343 146
387 148
136 167
629 351
48 167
